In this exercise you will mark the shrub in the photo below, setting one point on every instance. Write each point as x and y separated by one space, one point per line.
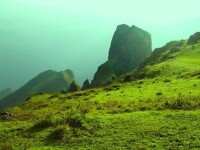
140 82
143 108
58 134
159 93
167 80
49 121
108 88
127 78
53 96
75 117
181 103
75 122
111 104
6 147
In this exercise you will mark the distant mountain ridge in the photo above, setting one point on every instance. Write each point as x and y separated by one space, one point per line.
5 92
49 81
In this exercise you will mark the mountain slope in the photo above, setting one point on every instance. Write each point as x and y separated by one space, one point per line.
5 92
48 82
156 106
175 60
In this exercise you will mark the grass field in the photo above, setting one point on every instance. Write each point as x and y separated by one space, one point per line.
161 110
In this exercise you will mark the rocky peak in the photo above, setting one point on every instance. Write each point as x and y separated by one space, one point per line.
129 47
115 43
86 85
73 87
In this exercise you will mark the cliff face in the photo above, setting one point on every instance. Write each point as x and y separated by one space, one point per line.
129 47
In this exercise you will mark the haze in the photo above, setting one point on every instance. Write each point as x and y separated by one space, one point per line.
38 35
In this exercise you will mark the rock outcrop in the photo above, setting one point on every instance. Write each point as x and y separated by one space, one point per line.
129 47
194 38
74 87
46 82
5 92
86 85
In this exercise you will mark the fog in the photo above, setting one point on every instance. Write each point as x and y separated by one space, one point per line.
38 35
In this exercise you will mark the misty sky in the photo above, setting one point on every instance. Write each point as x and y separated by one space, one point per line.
38 35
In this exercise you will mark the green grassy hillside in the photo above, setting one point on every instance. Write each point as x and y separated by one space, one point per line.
49 82
154 107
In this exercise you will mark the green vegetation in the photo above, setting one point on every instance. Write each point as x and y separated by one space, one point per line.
154 107
49 81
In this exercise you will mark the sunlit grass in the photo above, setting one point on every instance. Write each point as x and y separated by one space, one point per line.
160 111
